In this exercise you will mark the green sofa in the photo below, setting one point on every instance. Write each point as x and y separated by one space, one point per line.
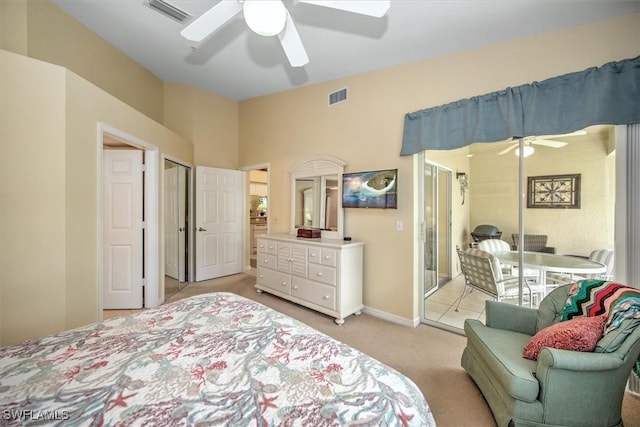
562 387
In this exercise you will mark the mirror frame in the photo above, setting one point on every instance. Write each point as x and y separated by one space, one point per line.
318 166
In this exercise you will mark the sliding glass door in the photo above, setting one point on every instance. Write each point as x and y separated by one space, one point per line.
437 227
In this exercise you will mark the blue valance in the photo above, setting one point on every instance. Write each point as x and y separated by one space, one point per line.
609 94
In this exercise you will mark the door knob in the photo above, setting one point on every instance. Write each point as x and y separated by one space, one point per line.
202 229
181 229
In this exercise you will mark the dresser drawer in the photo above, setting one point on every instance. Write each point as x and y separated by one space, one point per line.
266 261
316 293
323 256
266 247
274 280
321 273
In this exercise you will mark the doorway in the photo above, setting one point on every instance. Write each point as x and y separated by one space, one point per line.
177 230
258 206
114 138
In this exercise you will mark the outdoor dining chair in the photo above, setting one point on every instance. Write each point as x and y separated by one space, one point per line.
482 272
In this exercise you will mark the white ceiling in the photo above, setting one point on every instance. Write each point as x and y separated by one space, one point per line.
236 63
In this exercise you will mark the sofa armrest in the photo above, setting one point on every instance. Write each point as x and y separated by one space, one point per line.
510 317
548 249
569 380
552 358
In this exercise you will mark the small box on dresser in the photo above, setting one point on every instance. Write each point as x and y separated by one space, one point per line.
322 274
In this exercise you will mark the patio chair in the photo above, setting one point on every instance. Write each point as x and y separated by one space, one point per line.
496 245
482 272
603 256
533 243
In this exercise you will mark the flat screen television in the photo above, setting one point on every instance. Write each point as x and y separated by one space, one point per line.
371 189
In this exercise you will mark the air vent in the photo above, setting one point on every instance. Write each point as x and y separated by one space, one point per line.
338 96
169 10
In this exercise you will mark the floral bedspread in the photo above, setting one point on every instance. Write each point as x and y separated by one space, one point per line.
214 359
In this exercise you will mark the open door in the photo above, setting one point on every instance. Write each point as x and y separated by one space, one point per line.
122 229
218 222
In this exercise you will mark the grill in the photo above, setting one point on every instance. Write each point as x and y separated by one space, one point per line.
484 232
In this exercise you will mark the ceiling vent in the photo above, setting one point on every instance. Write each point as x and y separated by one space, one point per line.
338 96
169 10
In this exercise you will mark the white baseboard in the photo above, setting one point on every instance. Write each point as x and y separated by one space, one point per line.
392 317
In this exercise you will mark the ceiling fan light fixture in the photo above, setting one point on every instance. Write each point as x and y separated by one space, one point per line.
526 151
265 17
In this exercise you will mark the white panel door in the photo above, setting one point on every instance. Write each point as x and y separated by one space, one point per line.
171 234
218 223
122 229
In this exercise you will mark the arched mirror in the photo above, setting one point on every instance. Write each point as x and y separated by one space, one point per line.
316 191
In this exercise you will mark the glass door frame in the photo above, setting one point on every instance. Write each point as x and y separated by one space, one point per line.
424 230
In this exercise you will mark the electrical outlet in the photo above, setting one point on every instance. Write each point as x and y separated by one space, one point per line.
399 225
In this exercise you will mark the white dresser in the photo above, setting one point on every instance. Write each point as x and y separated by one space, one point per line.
322 274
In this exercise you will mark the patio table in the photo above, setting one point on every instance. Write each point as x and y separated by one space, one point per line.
545 262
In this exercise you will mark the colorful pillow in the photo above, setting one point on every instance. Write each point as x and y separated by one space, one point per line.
579 334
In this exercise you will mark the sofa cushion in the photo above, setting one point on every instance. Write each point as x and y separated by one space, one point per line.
551 307
501 354
579 334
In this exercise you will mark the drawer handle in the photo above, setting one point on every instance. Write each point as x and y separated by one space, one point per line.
326 297
262 276
266 261
327 257
284 283
295 287
319 274
313 255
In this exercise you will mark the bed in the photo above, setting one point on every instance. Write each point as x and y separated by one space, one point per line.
213 359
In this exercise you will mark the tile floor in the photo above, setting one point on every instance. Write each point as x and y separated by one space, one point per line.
440 306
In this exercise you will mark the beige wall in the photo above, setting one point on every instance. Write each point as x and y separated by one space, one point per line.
210 121
39 29
32 185
50 258
366 132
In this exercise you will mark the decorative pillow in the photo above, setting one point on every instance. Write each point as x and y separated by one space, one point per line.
579 334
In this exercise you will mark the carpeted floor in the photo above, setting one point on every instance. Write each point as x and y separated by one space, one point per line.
427 355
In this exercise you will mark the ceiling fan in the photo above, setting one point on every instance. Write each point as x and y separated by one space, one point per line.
271 17
541 140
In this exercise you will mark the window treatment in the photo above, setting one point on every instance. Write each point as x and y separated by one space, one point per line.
609 94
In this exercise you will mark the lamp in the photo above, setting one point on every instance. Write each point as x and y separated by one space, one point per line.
265 17
527 150
463 180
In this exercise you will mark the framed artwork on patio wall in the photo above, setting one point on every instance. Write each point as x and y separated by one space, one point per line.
554 191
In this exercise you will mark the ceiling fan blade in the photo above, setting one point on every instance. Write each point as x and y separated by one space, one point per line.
549 143
211 20
292 44
576 133
375 8
506 150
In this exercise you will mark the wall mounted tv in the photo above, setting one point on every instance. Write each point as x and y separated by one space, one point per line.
372 189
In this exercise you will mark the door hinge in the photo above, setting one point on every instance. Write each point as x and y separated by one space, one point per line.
144 225
143 167
144 282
